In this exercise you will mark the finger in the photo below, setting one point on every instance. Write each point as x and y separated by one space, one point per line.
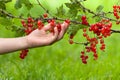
65 24
55 34
47 27
64 27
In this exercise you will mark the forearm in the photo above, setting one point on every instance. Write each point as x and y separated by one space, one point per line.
12 44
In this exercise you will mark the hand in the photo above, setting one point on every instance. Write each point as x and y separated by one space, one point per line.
42 38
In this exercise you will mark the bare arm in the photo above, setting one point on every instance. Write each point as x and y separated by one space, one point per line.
12 44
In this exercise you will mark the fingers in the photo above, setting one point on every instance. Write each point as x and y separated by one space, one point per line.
57 35
54 36
64 27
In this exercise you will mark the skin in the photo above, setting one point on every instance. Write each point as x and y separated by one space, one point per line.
37 38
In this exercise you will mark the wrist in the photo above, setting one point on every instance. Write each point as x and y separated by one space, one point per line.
24 43
28 42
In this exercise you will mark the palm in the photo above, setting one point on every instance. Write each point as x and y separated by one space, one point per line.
42 38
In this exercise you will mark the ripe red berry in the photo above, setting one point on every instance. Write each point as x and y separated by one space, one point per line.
83 17
58 27
40 25
67 21
71 36
49 20
22 56
82 52
52 23
39 22
22 21
45 15
84 30
71 41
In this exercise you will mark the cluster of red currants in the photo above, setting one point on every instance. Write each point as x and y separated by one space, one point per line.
30 25
28 28
84 20
23 53
101 30
89 48
116 11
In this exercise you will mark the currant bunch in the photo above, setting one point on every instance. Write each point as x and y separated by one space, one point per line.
101 29
24 53
116 12
28 28
84 20
89 48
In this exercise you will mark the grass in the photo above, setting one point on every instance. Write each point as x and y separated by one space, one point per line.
61 61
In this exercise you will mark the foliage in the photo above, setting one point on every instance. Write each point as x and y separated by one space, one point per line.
62 61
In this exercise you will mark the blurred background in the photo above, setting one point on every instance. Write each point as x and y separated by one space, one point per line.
61 60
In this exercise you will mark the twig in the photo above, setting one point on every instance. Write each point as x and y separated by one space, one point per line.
10 15
43 7
84 43
100 15
115 31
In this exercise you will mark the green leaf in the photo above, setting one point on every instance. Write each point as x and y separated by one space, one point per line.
27 4
2 5
99 8
60 11
73 29
97 19
19 31
69 5
5 1
5 21
18 4
73 8
72 12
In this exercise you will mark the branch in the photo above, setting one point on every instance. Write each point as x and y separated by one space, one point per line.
115 31
98 14
61 19
84 43
9 14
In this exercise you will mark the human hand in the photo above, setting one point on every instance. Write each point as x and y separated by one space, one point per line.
43 38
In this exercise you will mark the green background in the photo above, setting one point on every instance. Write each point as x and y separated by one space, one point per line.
61 61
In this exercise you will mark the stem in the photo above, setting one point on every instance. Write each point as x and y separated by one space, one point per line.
98 14
43 7
9 14
84 43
